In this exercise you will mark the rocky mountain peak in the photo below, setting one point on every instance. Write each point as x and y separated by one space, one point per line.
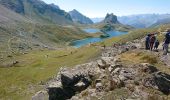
111 18
55 6
80 18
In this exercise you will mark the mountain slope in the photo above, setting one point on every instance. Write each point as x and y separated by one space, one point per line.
97 20
19 33
161 21
80 18
38 11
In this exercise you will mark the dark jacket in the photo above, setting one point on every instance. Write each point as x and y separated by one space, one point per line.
156 43
147 38
167 38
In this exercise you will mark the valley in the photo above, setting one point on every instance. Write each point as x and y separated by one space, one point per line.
38 40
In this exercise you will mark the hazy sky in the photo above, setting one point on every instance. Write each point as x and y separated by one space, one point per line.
99 8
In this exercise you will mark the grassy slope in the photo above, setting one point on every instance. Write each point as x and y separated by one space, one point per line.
136 57
21 81
24 79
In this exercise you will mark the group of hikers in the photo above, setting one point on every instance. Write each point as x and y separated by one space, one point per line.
152 43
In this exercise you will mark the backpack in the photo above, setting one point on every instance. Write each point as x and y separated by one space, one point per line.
167 40
152 39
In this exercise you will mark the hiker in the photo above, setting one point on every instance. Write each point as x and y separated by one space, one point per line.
156 44
152 41
147 47
104 46
166 42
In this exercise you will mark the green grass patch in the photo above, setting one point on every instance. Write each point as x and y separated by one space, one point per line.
23 80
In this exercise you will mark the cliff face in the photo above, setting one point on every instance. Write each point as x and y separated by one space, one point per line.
111 19
38 11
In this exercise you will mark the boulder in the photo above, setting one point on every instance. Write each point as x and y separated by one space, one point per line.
113 67
100 64
123 50
60 93
158 80
117 70
105 62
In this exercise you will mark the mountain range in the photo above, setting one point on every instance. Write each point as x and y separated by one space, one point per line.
140 20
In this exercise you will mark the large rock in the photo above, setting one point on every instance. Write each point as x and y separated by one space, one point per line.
70 77
158 80
111 19
72 80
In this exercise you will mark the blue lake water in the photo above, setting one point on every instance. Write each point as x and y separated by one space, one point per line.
91 30
79 43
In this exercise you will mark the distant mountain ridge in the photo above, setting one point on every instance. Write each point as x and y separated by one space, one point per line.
38 11
161 21
80 18
142 20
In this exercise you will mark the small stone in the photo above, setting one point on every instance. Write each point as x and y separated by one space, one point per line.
75 98
122 78
100 64
80 84
99 87
41 95
55 84
116 70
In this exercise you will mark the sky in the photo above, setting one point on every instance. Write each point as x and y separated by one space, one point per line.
99 8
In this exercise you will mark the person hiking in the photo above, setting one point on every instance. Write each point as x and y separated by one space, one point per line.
156 45
166 42
147 47
152 41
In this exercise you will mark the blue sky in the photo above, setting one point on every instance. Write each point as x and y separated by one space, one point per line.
99 8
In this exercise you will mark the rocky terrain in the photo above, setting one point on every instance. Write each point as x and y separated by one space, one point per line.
109 78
